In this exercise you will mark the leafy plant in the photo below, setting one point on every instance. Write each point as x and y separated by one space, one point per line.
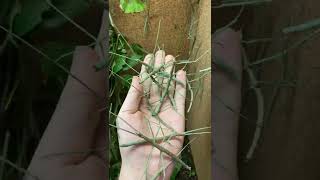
132 6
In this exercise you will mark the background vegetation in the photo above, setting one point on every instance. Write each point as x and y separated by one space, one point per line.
36 36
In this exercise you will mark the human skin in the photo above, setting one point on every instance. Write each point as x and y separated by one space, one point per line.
225 122
77 125
135 112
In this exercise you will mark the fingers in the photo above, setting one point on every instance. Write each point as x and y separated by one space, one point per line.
169 99
134 96
144 73
180 92
169 63
156 86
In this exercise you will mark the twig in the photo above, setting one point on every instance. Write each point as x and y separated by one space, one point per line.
251 2
53 61
143 63
4 153
11 94
173 156
157 37
215 34
22 170
157 110
162 139
172 102
147 16
260 106
302 27
286 51
15 10
162 149
156 82
189 62
191 96
167 75
71 21
154 71
163 122
116 28
164 167
121 78
253 41
206 69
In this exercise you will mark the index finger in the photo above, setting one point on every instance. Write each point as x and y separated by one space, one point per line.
180 92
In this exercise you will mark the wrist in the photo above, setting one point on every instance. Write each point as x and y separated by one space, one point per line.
129 172
135 171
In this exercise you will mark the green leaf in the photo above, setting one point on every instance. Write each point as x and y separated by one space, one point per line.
132 61
175 172
118 64
137 49
132 6
71 9
127 78
115 171
30 16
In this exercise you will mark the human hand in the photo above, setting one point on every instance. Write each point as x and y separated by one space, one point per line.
74 144
144 160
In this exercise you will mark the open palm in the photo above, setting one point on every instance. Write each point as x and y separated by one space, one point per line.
154 107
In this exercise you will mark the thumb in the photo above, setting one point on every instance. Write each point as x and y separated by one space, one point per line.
135 93
83 69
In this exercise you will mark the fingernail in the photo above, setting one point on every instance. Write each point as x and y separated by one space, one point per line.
181 72
169 58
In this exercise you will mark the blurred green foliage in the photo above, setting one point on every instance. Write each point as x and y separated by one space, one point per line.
132 6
